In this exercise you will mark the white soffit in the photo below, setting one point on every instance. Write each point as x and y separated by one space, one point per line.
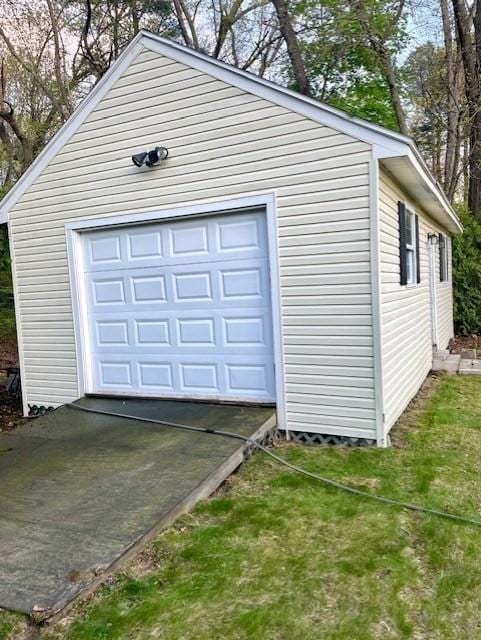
403 170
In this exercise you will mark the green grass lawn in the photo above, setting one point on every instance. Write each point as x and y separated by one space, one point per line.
278 556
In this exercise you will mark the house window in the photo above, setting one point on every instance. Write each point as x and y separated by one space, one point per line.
443 258
411 247
408 246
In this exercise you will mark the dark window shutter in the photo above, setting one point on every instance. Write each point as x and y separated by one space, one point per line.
446 257
402 243
418 261
442 258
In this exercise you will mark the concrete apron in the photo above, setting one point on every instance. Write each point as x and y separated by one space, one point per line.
79 492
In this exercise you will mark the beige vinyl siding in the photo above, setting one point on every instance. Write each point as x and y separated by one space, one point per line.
223 143
406 310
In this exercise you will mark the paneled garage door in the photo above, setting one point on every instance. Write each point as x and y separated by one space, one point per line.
181 308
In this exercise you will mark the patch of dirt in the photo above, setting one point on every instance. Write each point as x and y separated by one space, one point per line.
10 406
10 411
408 418
462 343
147 560
8 353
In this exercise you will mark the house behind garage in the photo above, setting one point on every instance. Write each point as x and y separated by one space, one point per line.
283 253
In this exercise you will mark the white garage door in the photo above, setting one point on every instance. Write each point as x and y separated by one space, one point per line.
181 309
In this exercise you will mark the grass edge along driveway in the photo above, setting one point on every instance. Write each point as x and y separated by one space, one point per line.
278 556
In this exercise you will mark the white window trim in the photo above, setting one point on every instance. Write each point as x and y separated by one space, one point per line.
411 210
447 244
411 220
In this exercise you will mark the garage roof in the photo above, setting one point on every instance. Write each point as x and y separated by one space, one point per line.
396 152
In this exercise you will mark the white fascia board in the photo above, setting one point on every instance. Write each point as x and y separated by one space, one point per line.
408 173
64 134
437 193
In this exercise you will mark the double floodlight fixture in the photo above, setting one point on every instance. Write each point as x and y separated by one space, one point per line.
150 158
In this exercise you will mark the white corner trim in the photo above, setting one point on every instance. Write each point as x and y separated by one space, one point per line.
376 303
79 301
18 327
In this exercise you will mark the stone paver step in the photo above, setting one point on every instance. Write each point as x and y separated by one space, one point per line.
454 357
442 354
456 363
470 367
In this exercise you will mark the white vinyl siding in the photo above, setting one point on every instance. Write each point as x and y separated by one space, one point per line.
223 142
405 310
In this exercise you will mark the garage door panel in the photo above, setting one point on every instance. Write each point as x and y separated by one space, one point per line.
244 283
181 308
144 245
148 289
105 251
208 240
115 374
155 376
149 333
111 334
108 291
220 330
212 376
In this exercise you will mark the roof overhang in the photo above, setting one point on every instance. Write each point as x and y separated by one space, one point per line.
397 152
409 171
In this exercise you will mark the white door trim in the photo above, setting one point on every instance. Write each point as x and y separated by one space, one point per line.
432 289
79 300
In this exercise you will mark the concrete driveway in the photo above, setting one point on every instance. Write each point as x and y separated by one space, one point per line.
79 492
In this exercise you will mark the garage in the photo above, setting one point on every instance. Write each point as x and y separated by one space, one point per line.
271 230
180 308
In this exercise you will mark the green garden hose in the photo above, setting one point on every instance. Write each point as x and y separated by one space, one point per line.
289 465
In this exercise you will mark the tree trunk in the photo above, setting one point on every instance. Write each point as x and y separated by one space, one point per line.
292 44
465 169
385 61
452 141
394 92
469 36
474 191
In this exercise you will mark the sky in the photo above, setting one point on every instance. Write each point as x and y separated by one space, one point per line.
423 25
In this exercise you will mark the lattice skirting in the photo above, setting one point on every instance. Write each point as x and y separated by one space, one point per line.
268 440
305 437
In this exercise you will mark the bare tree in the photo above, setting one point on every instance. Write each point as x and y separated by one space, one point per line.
242 32
293 49
35 95
107 26
451 157
468 30
53 51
